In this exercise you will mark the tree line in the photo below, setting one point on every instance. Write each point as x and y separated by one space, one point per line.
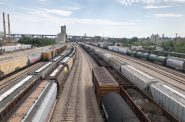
38 42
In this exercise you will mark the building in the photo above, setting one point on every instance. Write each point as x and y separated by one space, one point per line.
155 39
62 37
96 39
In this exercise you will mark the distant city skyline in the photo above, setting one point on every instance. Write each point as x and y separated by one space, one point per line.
106 18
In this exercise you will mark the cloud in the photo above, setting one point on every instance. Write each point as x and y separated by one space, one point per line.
151 2
157 7
46 17
45 11
57 11
72 8
169 15
100 22
43 0
2 3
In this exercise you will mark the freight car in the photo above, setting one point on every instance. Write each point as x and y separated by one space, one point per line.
144 106
139 78
16 63
38 106
34 57
62 56
173 62
167 97
123 50
176 63
52 52
15 48
103 82
170 98
59 75
116 109
116 63
45 70
157 59
12 64
11 98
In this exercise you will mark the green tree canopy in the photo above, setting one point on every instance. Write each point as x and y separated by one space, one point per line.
37 41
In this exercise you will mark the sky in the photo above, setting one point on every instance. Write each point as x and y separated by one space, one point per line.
106 18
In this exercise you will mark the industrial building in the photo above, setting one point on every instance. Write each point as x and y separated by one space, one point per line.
62 36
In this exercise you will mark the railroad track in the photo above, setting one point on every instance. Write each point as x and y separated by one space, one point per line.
180 79
174 75
12 79
71 106
86 56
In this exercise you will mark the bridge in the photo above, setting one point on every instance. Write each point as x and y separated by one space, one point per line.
14 36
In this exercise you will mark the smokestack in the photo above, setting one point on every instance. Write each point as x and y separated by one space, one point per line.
9 26
4 25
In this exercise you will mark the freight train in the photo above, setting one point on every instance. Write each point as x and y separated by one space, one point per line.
15 47
114 108
173 62
44 85
12 64
171 98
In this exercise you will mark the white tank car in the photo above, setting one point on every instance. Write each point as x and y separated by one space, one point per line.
176 63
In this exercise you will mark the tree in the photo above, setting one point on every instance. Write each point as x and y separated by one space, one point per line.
37 41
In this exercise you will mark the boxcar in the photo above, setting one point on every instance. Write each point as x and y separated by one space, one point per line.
34 57
47 55
13 64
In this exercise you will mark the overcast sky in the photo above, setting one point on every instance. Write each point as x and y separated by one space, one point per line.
112 18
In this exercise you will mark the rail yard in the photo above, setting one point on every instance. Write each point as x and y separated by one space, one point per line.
79 82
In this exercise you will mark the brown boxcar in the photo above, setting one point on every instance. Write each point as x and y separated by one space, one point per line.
103 82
